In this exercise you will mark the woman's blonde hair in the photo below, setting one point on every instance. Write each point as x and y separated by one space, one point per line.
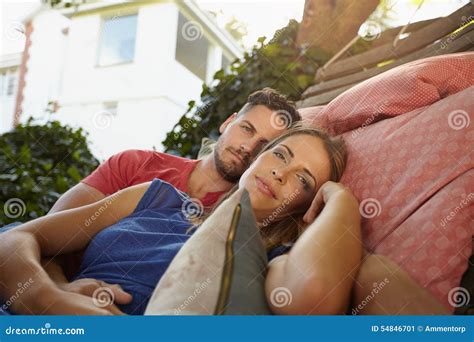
287 230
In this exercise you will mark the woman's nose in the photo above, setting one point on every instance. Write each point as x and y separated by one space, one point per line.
277 175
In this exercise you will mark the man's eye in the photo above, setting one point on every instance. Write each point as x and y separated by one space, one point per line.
246 129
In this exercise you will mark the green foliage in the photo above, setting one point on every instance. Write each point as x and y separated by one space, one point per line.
64 4
37 164
237 29
279 64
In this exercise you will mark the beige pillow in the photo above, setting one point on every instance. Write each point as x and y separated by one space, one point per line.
220 270
207 146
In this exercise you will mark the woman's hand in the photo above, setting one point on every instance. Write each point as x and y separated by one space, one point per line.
327 191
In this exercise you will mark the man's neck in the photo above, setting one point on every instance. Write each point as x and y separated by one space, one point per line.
205 178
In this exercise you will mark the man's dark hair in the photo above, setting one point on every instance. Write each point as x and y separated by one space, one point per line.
273 100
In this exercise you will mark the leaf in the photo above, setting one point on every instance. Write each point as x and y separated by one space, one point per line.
279 64
74 173
41 166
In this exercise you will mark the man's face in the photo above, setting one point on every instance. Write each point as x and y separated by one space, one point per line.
242 137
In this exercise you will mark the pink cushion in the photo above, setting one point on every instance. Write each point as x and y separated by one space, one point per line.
397 91
409 173
413 176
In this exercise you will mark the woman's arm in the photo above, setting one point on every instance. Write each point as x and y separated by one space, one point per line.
67 231
318 272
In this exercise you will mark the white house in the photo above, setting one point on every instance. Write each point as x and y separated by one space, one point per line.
9 71
122 71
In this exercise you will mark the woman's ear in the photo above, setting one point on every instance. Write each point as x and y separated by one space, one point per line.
226 123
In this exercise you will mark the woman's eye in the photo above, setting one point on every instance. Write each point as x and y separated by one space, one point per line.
279 155
303 180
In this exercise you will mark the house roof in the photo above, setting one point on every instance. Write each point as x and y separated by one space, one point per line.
10 60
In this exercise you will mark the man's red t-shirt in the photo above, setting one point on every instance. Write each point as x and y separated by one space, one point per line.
133 167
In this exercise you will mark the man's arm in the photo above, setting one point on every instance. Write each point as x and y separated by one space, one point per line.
63 232
78 196
111 176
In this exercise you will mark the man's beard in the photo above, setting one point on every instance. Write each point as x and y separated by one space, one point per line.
229 171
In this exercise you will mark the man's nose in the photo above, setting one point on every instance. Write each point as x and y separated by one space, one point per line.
244 148
253 146
245 152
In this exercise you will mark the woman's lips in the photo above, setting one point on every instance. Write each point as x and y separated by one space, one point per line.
264 187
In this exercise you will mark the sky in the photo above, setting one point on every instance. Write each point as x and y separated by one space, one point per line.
262 17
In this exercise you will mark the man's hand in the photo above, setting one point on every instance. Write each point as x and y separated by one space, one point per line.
69 303
99 290
49 299
326 191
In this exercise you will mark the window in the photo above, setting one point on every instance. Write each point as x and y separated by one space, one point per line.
110 108
2 83
192 46
11 84
225 63
8 82
117 42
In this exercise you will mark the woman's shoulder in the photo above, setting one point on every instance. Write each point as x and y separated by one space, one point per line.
277 251
160 194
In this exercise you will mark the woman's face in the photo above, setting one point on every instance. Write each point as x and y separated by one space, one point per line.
284 180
